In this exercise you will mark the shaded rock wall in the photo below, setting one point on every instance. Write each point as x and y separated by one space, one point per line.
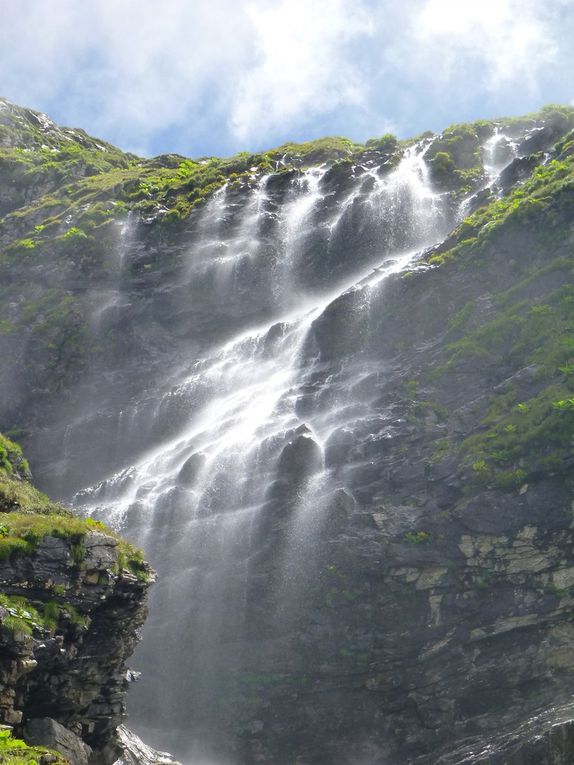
69 666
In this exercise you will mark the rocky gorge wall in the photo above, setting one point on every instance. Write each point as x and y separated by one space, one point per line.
401 591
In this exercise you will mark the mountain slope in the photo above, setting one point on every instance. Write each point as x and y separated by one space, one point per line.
330 389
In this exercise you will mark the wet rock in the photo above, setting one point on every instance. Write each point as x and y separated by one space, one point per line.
502 153
517 171
338 447
190 469
300 457
100 552
66 682
135 752
539 139
340 509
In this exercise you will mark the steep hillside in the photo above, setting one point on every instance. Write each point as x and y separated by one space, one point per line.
330 390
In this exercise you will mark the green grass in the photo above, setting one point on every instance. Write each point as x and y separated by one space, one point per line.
18 494
11 458
546 194
522 436
21 532
28 517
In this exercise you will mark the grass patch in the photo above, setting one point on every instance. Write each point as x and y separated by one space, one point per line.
14 751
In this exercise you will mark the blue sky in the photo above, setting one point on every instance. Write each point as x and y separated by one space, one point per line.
214 77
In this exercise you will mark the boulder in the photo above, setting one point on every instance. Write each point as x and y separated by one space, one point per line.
301 457
47 732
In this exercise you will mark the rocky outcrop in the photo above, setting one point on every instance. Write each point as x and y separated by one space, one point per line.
73 597
69 622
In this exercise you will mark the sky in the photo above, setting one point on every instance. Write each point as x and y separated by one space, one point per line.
213 77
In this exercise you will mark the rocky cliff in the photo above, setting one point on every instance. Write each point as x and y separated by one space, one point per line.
73 598
329 389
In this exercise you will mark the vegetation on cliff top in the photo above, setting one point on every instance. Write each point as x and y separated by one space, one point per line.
27 517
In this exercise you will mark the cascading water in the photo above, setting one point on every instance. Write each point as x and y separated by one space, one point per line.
256 427
498 151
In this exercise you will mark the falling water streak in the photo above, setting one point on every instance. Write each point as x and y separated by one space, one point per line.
207 242
247 235
294 227
104 300
498 152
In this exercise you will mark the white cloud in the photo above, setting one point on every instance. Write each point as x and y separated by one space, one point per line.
221 75
304 63
137 69
133 67
505 40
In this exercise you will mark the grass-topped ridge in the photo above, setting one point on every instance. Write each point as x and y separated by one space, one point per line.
27 517
22 532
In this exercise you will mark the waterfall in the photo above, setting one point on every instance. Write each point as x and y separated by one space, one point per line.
255 426
498 151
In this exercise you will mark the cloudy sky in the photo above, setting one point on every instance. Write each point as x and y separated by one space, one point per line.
218 76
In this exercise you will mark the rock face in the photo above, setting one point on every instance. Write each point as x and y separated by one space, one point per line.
73 598
362 516
74 670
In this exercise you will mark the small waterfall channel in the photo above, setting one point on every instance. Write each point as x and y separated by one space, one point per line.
250 431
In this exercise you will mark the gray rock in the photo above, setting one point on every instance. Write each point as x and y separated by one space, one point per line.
300 457
100 551
48 732
135 752
190 469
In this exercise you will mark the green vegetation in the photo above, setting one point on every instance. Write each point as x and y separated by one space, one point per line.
548 192
523 436
21 532
27 517
528 428
523 439
11 458
388 143
15 490
417 537
24 615
318 151
14 751
418 407
454 156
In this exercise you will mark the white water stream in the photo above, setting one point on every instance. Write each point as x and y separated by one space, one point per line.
196 503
